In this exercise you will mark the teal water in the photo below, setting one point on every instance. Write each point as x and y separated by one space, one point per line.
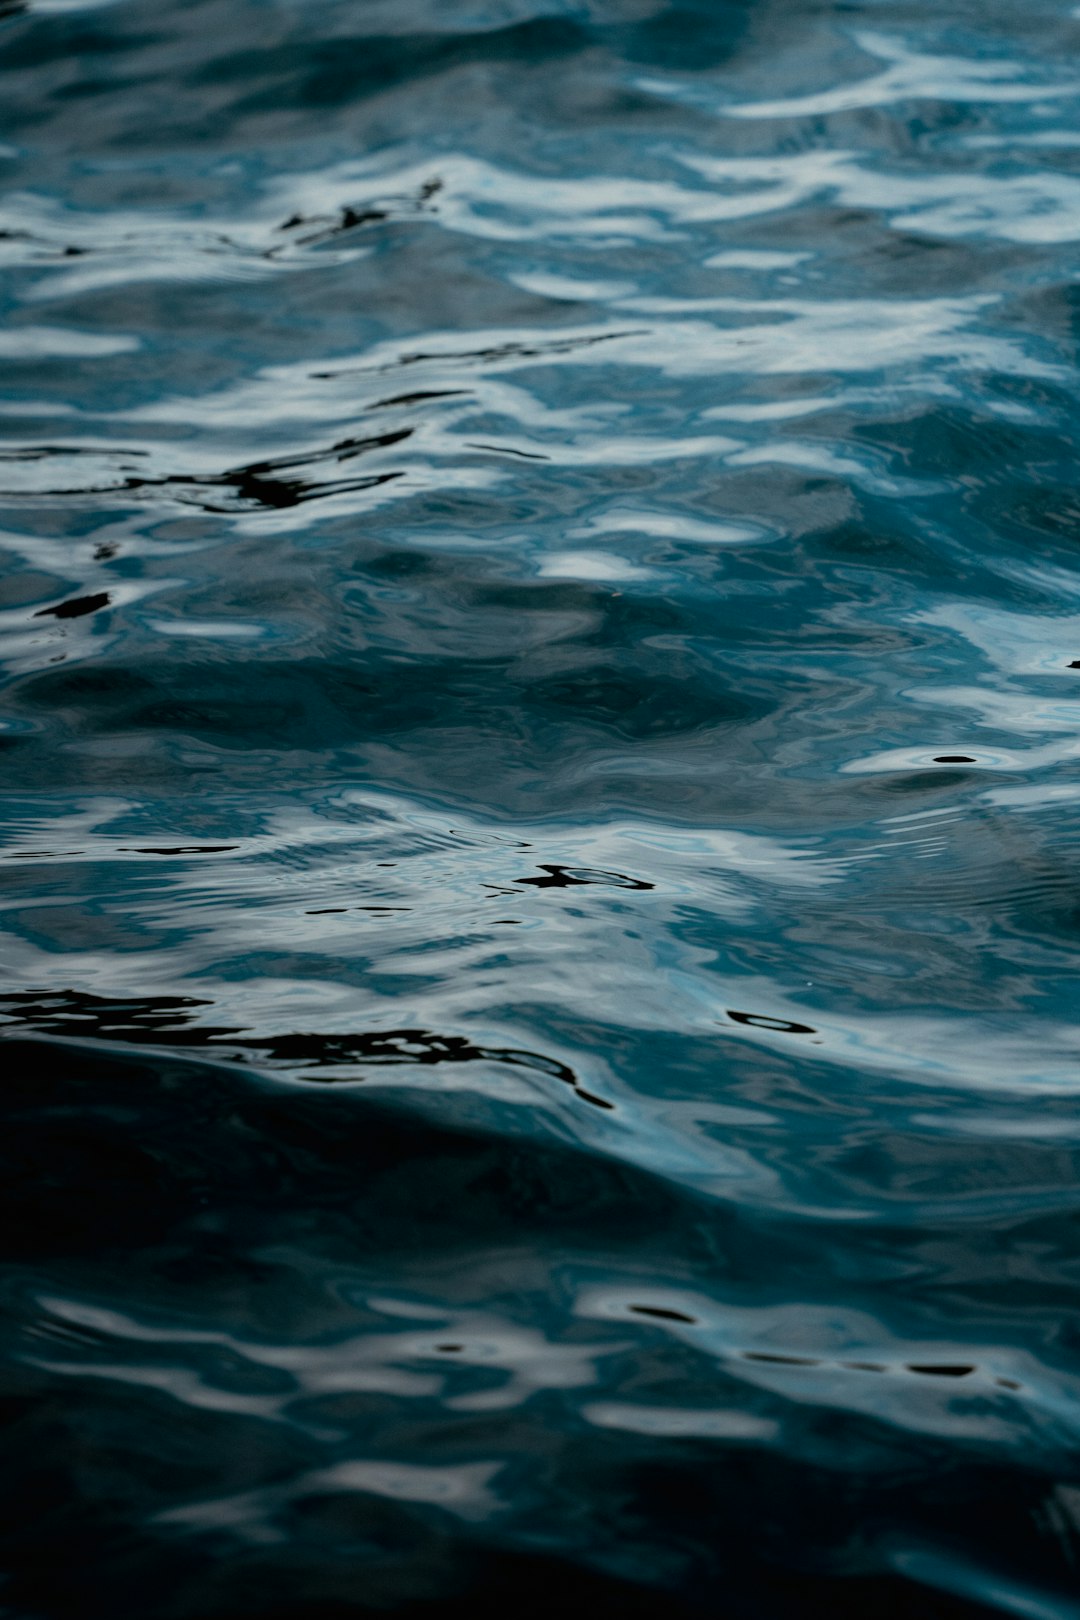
540 631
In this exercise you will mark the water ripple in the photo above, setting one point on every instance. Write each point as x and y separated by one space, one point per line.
539 644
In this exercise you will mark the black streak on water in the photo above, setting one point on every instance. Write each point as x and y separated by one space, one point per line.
76 607
260 483
569 877
782 1026
663 1313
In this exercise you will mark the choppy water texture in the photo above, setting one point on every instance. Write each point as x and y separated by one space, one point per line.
541 644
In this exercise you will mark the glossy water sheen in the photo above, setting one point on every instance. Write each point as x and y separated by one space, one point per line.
541 640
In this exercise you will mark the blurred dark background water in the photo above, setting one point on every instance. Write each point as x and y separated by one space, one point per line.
541 640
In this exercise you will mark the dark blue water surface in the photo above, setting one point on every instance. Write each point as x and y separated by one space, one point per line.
540 629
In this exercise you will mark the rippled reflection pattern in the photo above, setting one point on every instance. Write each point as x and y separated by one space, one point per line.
541 642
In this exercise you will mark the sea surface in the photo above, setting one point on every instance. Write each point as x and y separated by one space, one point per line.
540 642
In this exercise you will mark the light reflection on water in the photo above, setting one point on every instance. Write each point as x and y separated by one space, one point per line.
539 924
